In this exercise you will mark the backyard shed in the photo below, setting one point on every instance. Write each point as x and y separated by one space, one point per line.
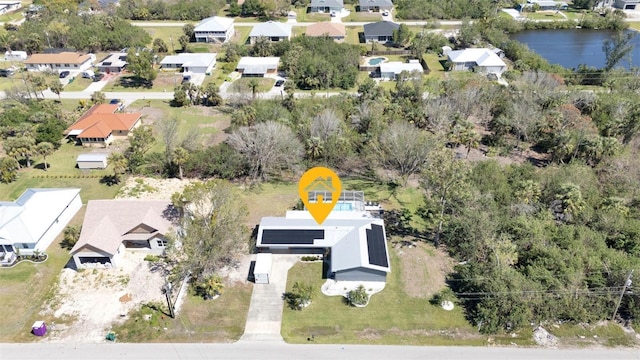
262 270
92 161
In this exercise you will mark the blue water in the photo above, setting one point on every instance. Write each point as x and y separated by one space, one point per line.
376 61
572 47
343 207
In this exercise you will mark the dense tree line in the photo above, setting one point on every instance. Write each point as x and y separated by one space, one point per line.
455 9
91 33
194 10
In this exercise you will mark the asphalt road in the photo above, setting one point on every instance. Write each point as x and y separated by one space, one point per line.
246 350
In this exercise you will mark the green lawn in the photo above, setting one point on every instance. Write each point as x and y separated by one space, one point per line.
219 320
392 317
167 34
353 35
166 81
304 16
78 84
13 16
243 85
7 83
546 15
242 34
590 335
360 16
61 173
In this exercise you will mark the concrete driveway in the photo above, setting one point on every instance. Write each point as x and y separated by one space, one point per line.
265 312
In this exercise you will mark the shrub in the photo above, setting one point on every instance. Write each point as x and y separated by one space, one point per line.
310 258
210 286
444 295
299 296
152 258
358 297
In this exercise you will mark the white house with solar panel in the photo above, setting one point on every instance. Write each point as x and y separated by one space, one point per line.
352 238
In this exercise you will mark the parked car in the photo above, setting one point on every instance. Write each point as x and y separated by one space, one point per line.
97 77
64 74
89 74
279 82
114 101
385 13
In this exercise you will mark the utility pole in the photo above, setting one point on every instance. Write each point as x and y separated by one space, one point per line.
627 284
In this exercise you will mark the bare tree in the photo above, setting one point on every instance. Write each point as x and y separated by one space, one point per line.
268 147
167 128
325 125
404 149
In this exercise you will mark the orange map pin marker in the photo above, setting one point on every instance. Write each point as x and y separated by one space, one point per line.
319 189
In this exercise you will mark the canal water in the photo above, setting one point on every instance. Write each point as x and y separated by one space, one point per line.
572 47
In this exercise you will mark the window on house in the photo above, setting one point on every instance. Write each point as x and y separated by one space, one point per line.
162 243
25 245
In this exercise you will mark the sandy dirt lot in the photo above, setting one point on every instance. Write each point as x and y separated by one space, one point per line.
95 298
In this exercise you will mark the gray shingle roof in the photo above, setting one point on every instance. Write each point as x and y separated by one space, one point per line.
379 3
380 28
327 3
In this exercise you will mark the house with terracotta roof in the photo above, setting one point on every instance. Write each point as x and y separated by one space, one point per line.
112 227
336 31
64 61
102 124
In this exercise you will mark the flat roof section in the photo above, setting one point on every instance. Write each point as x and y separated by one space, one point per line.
288 237
376 246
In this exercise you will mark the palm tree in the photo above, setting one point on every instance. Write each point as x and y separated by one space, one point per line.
180 157
45 149
253 84
120 165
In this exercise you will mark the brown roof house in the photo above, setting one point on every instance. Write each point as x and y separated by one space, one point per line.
336 31
102 124
70 61
112 226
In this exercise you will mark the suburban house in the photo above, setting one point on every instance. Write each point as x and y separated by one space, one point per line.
374 5
336 31
197 63
214 29
481 60
352 239
391 70
326 6
114 63
92 161
626 4
34 220
71 61
274 31
9 6
544 5
111 226
101 125
250 66
381 31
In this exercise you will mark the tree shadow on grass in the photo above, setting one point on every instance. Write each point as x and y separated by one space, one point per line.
110 180
135 82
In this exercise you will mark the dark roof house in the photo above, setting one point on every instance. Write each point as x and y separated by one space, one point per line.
381 31
374 5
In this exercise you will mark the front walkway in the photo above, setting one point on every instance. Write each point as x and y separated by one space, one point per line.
265 311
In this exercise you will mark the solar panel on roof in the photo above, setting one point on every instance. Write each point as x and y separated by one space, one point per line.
286 237
106 63
376 246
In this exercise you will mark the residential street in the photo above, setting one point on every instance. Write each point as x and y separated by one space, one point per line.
266 350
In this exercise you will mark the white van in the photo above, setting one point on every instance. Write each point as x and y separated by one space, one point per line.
88 74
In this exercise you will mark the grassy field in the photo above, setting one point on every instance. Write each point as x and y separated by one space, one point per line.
7 83
391 317
353 36
243 85
79 83
219 320
590 335
166 81
543 15
167 34
360 16
303 16
62 173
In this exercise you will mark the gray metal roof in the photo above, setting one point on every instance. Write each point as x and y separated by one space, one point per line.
214 23
380 28
271 29
93 157
257 65
327 3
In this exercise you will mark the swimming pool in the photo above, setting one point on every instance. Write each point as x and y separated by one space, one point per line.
376 61
343 207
